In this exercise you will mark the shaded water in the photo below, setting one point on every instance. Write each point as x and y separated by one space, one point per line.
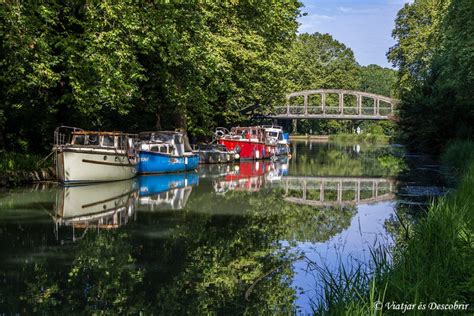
229 239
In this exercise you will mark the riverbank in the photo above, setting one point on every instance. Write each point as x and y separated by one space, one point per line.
18 169
429 268
345 138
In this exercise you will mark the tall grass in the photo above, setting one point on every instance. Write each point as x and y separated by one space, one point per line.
435 263
10 161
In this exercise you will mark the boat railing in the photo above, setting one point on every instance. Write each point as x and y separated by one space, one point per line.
62 134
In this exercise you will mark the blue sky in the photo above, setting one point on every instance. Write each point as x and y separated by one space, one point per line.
363 25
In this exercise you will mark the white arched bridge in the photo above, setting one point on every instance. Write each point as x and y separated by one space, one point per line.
336 104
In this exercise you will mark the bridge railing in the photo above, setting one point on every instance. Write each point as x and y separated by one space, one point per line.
361 105
319 110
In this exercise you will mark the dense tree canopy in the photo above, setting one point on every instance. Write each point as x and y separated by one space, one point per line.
435 56
137 65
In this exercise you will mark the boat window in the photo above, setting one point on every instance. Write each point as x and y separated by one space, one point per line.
155 148
164 149
280 136
78 140
122 142
108 141
272 134
93 139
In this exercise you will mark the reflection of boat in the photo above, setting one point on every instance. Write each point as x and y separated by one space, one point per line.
161 152
86 156
166 191
249 176
104 205
280 169
249 142
217 170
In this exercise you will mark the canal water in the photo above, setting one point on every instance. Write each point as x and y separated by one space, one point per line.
228 239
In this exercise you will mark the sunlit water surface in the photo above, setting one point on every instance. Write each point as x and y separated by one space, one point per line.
228 239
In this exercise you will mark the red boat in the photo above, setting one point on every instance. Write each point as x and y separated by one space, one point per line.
250 143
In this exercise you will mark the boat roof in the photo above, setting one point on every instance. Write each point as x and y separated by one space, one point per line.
272 127
98 132
160 133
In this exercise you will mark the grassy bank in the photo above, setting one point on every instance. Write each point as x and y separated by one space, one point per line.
434 264
361 138
13 162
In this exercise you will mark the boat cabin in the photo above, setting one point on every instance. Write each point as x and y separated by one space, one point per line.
115 140
171 143
251 133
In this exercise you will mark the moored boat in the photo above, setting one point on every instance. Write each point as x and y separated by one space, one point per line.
90 156
275 134
249 142
163 152
215 153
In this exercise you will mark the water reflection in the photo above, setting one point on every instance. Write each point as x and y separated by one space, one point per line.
338 191
225 240
166 191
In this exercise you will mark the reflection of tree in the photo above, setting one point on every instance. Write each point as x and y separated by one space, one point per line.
337 160
231 242
214 251
102 277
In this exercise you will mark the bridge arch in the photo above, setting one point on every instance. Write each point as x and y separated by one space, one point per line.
380 108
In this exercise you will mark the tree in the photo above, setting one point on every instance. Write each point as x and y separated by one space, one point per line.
434 55
317 61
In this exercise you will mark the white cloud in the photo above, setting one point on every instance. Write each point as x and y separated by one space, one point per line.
345 9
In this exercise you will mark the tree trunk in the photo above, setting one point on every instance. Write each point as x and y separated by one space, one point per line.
182 126
158 122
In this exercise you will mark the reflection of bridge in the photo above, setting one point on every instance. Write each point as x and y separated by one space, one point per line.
337 191
351 105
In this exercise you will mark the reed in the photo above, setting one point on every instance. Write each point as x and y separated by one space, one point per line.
13 162
434 264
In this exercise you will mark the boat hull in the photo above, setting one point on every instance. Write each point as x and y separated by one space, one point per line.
76 166
283 150
152 162
249 150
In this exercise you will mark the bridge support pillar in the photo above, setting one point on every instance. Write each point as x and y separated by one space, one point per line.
341 103
323 103
295 126
359 104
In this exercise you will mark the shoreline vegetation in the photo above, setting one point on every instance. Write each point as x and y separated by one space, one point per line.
345 138
22 168
430 263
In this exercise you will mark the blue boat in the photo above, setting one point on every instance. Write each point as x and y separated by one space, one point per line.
165 152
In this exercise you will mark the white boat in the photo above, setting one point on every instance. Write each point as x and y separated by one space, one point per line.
89 156
275 135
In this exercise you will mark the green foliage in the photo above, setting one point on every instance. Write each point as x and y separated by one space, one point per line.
459 155
432 263
436 77
378 80
21 162
374 138
137 66
317 61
